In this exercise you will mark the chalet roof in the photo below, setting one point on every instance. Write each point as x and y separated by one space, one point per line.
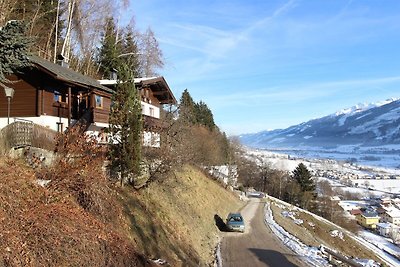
355 212
158 85
67 75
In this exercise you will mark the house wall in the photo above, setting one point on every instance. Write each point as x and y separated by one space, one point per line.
383 231
146 110
147 96
369 222
23 103
101 114
51 107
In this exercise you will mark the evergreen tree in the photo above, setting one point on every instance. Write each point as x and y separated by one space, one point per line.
14 46
130 52
126 127
187 109
110 50
303 177
204 115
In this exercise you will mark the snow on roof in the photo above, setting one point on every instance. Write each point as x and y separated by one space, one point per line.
108 82
136 80
335 198
393 212
387 225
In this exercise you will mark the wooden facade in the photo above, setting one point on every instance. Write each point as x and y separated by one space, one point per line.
47 89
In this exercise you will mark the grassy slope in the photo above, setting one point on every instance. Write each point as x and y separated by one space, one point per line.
174 220
319 233
110 225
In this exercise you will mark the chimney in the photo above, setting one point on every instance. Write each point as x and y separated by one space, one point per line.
62 61
114 74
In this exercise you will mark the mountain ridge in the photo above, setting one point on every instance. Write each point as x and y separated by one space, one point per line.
373 124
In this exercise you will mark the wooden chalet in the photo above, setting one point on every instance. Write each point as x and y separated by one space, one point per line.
54 96
154 93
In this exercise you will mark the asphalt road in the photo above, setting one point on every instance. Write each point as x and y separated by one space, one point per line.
258 246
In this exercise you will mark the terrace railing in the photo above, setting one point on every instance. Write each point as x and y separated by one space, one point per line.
22 133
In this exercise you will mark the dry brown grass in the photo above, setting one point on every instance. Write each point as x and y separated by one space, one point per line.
82 219
41 227
320 234
75 221
174 220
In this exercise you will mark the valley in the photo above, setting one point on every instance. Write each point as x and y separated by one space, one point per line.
366 198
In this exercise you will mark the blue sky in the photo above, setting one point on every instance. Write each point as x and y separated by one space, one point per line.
271 64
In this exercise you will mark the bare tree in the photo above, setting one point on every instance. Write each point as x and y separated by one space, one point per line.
7 8
151 54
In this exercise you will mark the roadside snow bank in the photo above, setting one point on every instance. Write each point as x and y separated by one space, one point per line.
384 257
311 255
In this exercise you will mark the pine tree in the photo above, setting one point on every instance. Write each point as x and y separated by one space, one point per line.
204 115
303 177
14 46
187 110
110 50
126 127
130 52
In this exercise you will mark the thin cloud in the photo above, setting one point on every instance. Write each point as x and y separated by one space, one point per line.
296 93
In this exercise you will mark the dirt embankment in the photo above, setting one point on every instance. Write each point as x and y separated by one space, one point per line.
81 219
174 220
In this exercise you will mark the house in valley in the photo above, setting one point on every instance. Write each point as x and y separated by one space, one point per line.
387 229
368 219
391 215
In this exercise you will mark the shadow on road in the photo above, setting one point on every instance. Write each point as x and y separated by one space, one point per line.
220 223
272 257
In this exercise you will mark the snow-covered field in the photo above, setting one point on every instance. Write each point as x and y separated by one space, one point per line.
387 157
381 242
340 170
367 188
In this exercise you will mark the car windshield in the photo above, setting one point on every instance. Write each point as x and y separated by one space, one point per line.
236 219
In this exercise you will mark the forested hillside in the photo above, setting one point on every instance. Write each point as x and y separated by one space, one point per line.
87 33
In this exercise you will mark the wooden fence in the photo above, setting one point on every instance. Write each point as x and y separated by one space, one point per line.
22 133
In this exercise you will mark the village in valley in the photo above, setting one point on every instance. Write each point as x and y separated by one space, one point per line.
369 196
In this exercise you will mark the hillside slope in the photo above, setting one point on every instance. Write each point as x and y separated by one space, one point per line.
174 220
81 219
371 125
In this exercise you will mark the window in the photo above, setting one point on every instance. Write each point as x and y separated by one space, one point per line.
60 97
57 96
151 112
99 101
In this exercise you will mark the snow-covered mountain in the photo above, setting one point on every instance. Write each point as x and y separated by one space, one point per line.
362 125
